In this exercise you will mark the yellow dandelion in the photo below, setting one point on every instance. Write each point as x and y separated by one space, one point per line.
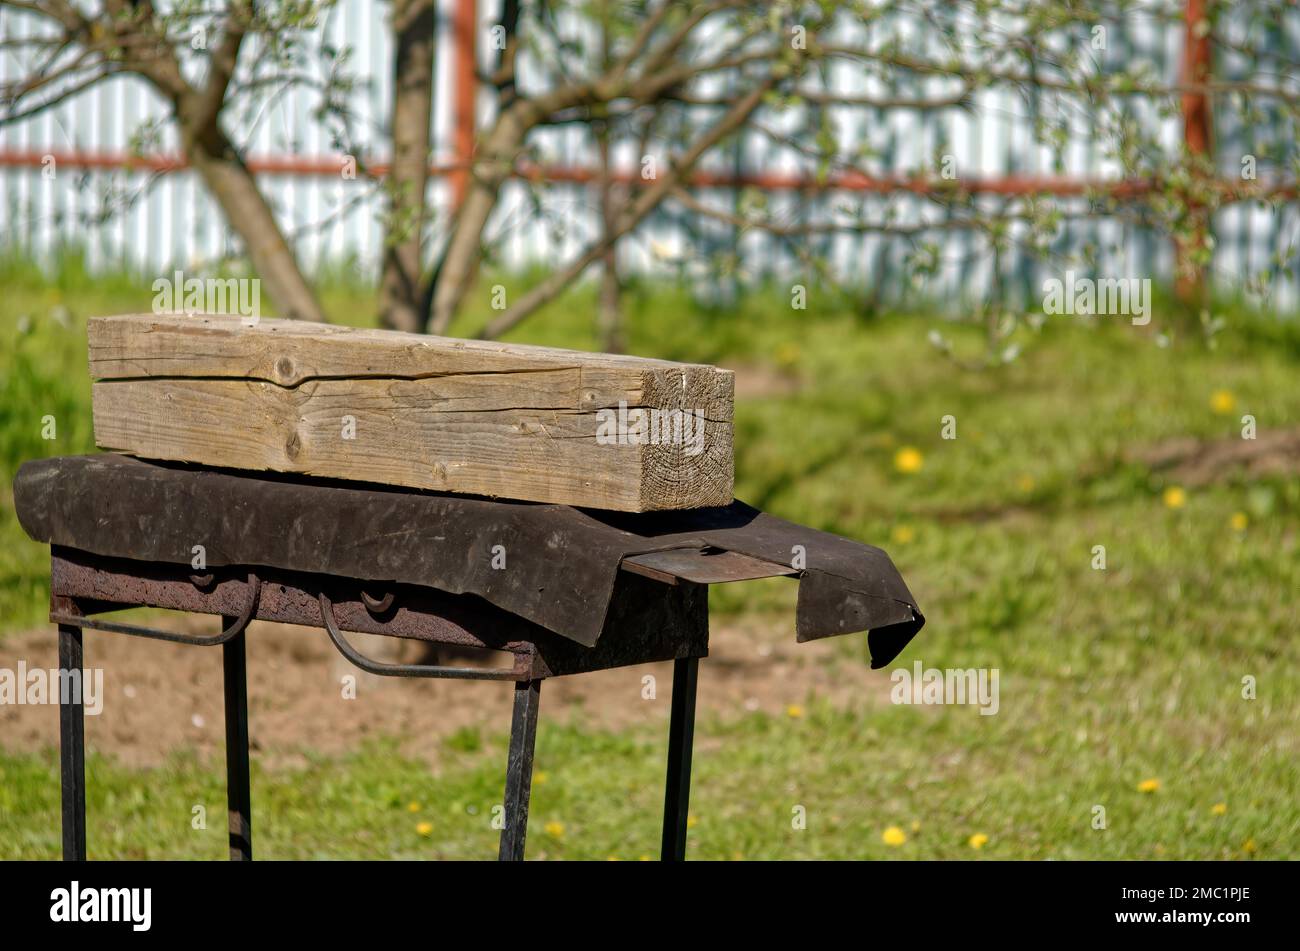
1222 402
1248 847
412 807
612 858
1148 785
893 836
1025 483
794 711
902 534
916 825
908 460
539 778
643 858
692 821
554 829
1219 808
787 353
1175 497
1239 521
424 828
978 840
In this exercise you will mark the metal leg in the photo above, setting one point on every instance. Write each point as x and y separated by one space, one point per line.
238 798
519 769
72 744
681 736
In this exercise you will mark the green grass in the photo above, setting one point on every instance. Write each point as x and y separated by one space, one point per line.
1108 677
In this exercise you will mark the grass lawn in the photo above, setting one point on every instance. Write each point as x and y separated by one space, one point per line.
1108 678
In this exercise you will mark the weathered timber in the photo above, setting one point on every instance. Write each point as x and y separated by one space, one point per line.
471 417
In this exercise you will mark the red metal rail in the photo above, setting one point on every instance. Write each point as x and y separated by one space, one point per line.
332 167
1009 185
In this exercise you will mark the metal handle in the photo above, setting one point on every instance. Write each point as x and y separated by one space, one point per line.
236 627
377 605
407 670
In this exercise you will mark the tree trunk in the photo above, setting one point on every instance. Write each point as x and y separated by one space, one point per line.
399 286
609 305
459 265
233 187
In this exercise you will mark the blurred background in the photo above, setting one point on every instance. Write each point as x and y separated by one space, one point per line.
857 206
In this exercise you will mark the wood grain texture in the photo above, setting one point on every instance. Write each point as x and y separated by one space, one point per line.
475 417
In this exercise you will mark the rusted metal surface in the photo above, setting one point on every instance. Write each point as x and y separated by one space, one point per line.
520 670
703 566
286 597
375 605
69 613
649 622
564 563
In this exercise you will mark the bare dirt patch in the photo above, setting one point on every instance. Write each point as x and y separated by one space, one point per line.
757 380
1197 462
161 697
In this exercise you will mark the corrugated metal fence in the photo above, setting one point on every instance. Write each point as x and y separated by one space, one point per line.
162 221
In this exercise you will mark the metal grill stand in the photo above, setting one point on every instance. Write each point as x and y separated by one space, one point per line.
586 591
84 584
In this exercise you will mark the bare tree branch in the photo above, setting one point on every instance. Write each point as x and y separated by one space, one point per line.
632 216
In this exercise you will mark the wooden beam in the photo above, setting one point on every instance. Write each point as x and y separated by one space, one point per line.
474 417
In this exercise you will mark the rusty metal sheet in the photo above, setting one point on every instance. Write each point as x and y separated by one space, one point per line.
703 566
647 622
563 563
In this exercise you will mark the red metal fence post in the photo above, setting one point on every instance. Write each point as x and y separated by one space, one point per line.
1190 277
465 86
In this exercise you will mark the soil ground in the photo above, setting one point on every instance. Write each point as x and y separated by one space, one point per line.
161 697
